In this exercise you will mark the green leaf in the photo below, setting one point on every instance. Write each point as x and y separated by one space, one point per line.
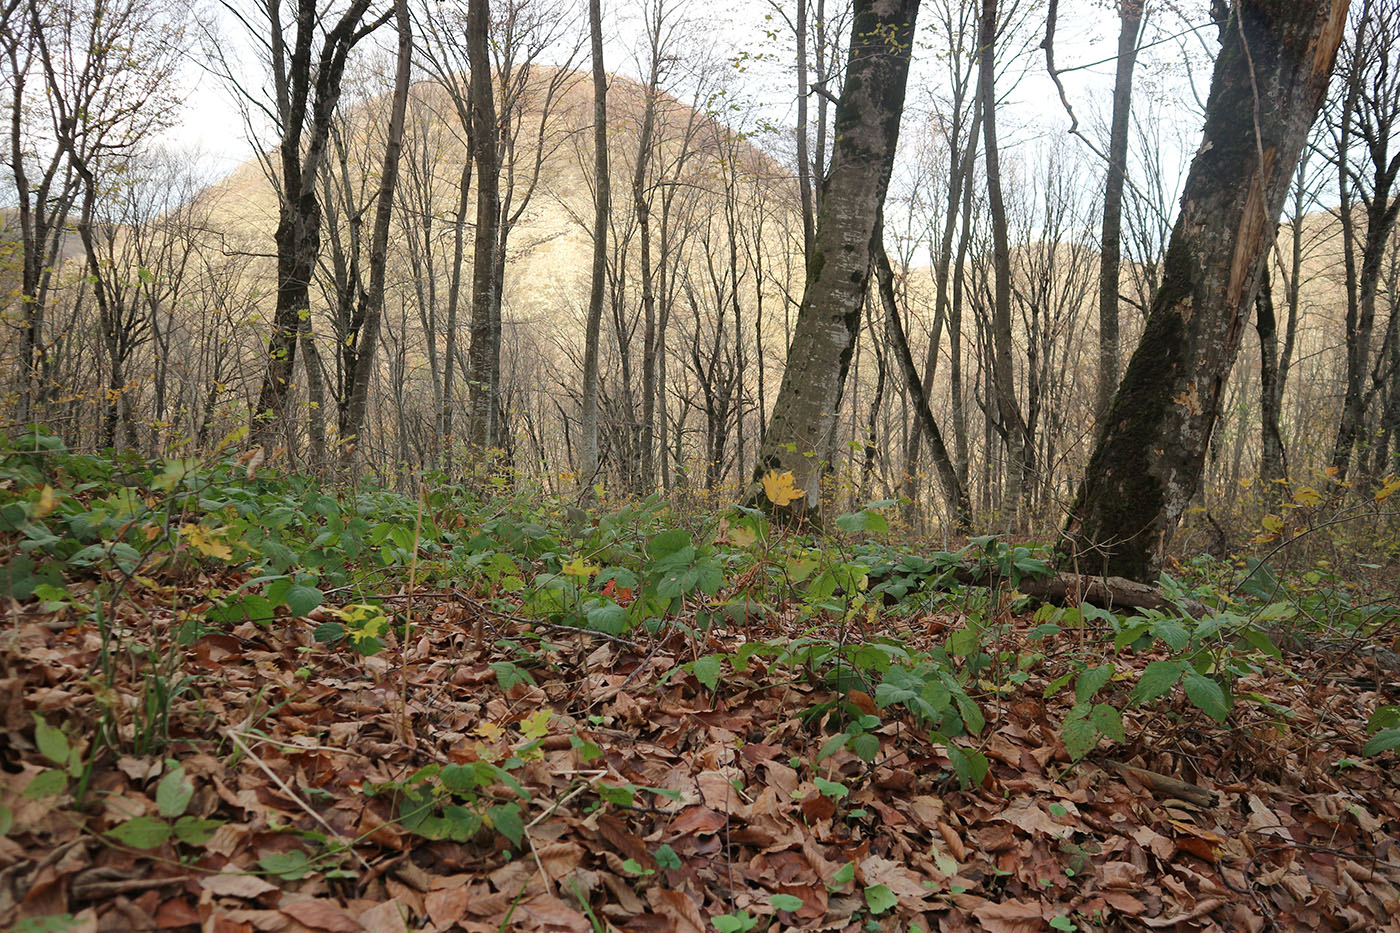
1062 923
963 642
289 866
1080 737
623 796
46 784
1206 694
1091 681
1263 642
786 902
608 617
707 671
667 858
634 867
1382 741
508 674
52 742
845 874
1157 678
1109 721
735 923
141 832
587 751
879 898
193 831
866 746
7 819
301 599
1385 717
1172 632
506 819
969 764
173 793
831 789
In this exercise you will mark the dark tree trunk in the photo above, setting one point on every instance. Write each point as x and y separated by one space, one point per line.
485 350
1020 451
1110 242
307 95
954 490
1270 78
372 302
601 205
1273 467
866 133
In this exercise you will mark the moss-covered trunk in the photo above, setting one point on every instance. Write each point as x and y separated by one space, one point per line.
866 133
1269 81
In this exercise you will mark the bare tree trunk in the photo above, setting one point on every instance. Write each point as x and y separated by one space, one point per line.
1273 466
1270 78
485 351
372 303
804 158
1110 241
602 202
1019 450
454 298
954 489
866 133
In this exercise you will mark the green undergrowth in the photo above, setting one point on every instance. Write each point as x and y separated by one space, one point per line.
194 546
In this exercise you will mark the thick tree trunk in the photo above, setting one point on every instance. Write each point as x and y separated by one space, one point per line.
485 350
804 163
1110 241
602 198
866 132
1270 78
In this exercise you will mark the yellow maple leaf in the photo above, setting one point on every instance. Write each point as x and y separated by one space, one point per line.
202 540
578 567
780 488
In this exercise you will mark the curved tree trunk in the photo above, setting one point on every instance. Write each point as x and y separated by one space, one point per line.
866 133
1269 81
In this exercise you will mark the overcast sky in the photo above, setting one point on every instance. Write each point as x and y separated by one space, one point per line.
1033 123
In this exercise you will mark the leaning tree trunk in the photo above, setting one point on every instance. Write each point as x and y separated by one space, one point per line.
1269 81
866 133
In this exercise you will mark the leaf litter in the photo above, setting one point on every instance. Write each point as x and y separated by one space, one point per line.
626 791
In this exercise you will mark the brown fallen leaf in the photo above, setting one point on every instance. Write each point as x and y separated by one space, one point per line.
678 906
236 884
320 914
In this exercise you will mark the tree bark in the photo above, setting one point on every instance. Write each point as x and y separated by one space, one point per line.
372 303
307 94
1110 241
485 349
1012 427
1269 81
828 321
602 198
1273 467
954 492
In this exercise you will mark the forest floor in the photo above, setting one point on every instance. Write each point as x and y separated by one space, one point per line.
755 770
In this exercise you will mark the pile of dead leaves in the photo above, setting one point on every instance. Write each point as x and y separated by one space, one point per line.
656 804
